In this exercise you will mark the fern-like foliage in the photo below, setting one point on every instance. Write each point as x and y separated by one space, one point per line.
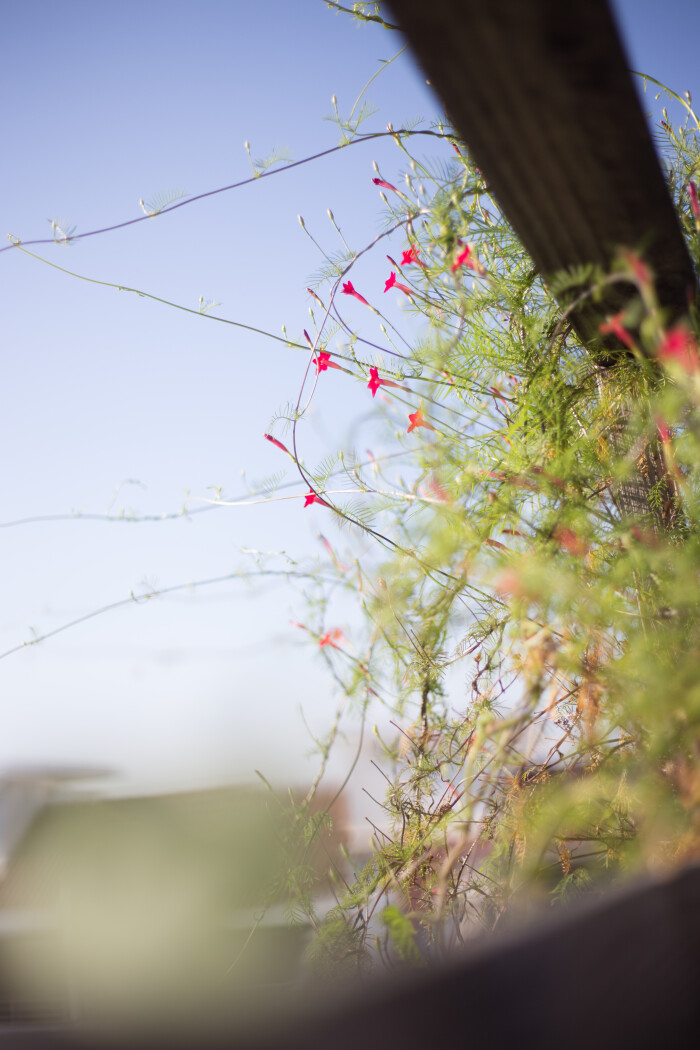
158 202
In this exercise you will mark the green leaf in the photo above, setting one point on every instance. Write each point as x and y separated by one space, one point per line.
401 932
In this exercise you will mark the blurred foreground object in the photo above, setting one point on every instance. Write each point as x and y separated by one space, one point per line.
140 910
623 972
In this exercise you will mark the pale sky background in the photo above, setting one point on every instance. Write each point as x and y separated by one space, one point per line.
106 103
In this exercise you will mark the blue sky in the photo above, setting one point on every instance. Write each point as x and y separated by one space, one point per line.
113 401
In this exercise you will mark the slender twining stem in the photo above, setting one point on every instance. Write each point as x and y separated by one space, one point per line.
360 138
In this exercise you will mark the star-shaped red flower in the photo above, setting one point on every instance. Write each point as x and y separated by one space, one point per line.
375 382
614 325
416 420
323 362
331 638
411 256
311 497
348 289
464 258
393 283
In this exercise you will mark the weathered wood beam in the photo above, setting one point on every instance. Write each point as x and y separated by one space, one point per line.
539 90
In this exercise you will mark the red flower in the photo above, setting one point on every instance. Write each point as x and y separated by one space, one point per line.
662 428
375 382
463 259
323 362
386 185
693 192
274 441
437 490
326 544
417 420
680 345
497 393
614 325
331 637
510 585
649 539
393 283
349 290
570 541
411 256
638 268
311 497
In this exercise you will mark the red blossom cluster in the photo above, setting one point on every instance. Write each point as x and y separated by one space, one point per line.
323 361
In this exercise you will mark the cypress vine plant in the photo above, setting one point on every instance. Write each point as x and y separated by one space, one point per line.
505 548
567 758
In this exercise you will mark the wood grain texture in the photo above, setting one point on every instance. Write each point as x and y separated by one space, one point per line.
540 92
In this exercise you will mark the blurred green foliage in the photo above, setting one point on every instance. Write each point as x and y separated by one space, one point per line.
569 759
